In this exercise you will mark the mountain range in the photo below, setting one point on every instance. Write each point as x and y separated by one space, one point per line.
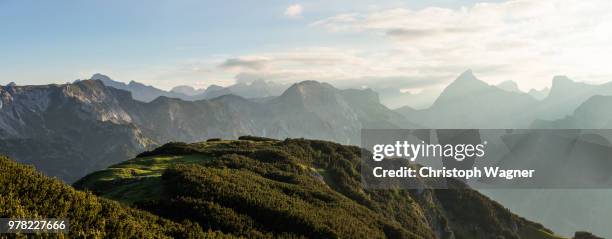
80 127
471 103
254 89
92 119
590 208
67 130
70 130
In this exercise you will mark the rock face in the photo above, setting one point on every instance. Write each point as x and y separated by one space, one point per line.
67 130
72 129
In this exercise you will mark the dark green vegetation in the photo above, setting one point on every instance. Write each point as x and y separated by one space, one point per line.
25 193
257 188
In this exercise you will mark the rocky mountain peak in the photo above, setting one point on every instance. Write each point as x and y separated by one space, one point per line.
563 85
561 79
465 85
215 87
99 76
467 77
135 83
307 88
86 90
100 101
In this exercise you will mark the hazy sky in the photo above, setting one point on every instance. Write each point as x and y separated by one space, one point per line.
414 44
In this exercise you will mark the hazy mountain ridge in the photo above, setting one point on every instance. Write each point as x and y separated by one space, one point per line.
66 115
539 94
510 86
139 91
568 105
589 208
255 89
566 95
85 126
307 109
187 90
471 103
594 113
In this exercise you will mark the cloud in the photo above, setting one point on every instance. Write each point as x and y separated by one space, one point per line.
408 34
251 63
341 22
311 63
343 67
294 11
527 41
524 40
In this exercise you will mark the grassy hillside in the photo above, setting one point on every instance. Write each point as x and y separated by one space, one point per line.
257 187
25 193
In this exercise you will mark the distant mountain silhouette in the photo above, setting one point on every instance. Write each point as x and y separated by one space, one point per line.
470 103
510 86
539 94
187 90
594 113
139 91
255 89
566 95
394 97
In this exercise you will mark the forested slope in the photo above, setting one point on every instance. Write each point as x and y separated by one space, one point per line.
256 187
25 193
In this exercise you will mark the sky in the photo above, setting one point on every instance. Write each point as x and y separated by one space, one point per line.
408 45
